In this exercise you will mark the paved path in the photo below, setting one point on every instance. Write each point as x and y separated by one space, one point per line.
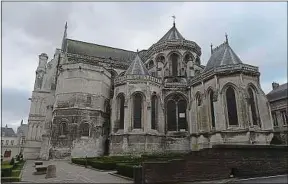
69 173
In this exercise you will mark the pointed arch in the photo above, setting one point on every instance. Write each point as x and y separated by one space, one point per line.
211 107
188 56
231 105
252 105
154 112
120 111
137 110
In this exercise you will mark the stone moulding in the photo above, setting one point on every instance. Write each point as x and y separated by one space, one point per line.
140 78
76 58
226 69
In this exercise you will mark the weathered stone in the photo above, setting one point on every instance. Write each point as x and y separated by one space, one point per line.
51 171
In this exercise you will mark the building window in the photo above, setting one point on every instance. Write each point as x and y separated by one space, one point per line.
176 113
7 154
174 59
231 106
284 117
12 142
253 106
7 142
137 111
211 94
63 128
121 103
275 121
154 112
84 128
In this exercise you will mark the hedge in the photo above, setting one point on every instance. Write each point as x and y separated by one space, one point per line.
103 165
10 179
6 170
126 169
80 161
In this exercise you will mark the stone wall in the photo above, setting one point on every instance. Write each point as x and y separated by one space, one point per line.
219 163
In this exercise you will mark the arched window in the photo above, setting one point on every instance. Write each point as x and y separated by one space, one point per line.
188 57
197 61
137 111
211 94
121 102
176 113
231 106
198 100
174 59
63 128
253 106
84 128
150 64
154 112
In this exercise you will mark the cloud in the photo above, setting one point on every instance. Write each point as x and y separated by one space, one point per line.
257 33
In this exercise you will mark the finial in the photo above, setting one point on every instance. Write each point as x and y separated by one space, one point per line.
226 37
6 126
174 17
211 48
66 25
22 122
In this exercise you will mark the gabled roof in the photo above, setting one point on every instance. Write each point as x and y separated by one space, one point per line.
95 50
172 34
137 67
7 132
281 92
222 55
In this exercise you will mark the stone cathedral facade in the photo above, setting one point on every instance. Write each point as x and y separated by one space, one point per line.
92 100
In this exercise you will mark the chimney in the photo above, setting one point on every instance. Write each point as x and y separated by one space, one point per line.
275 85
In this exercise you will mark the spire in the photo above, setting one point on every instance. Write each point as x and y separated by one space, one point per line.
226 38
137 67
211 48
64 38
6 126
22 122
174 17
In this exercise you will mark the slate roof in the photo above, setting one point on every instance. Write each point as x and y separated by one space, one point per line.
281 92
23 130
95 50
222 55
137 67
172 34
7 132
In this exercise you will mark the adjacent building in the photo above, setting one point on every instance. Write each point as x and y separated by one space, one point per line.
91 99
278 99
12 144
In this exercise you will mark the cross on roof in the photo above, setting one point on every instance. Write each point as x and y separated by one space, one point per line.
174 17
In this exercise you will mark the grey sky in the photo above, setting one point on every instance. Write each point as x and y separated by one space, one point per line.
257 33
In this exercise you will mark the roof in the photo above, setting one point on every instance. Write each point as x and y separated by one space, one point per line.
172 34
7 132
23 130
222 55
137 67
280 92
95 50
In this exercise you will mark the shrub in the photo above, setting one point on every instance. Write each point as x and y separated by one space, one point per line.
10 179
162 156
15 173
126 169
6 170
103 165
12 162
80 161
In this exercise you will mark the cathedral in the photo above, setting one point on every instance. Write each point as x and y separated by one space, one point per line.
92 100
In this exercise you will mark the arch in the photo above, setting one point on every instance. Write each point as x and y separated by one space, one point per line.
113 73
175 108
121 74
120 100
197 61
211 107
229 84
174 62
85 129
231 106
63 129
251 85
137 110
188 56
252 105
150 64
198 98
154 112
160 58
